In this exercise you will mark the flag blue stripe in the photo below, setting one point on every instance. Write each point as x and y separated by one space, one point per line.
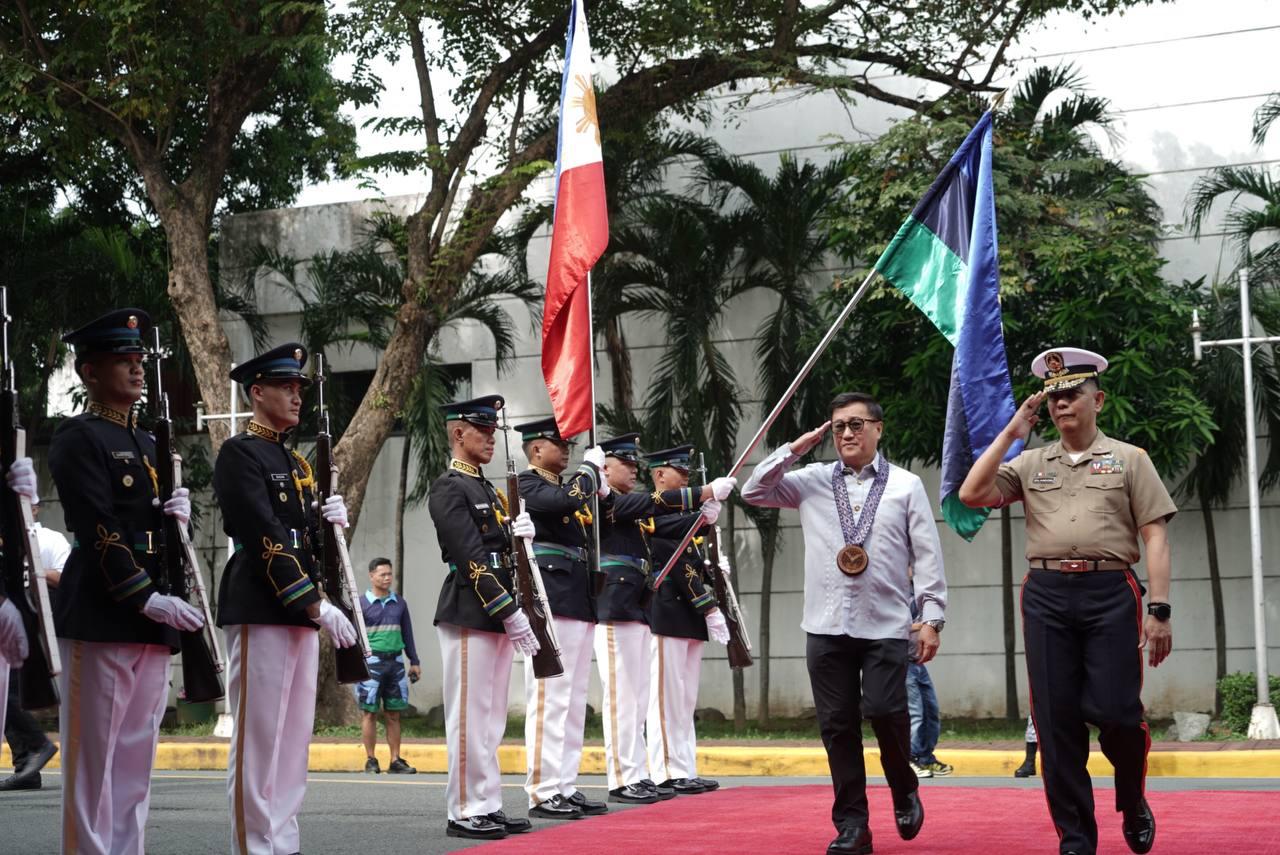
947 207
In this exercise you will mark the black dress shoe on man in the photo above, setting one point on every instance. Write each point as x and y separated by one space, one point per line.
852 840
520 825
684 786
29 781
707 784
36 760
556 807
633 794
909 816
476 828
662 791
1140 828
586 805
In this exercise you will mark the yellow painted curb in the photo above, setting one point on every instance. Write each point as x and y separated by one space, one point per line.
732 760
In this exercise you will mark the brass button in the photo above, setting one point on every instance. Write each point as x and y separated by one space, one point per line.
127 480
484 526
566 520
284 497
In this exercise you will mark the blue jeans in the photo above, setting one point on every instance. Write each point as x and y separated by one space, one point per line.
926 720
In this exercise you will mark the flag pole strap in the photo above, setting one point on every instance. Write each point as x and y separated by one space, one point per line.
777 411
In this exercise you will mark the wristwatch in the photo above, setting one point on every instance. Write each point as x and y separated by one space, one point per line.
1160 611
936 624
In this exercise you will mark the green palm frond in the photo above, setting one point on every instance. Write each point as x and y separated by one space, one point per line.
1263 118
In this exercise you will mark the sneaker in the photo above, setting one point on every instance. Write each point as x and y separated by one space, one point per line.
399 767
939 769
921 771
371 766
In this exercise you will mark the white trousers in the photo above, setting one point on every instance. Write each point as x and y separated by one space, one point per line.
622 655
271 693
675 665
477 677
556 713
113 697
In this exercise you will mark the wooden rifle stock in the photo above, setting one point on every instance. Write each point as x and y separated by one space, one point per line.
338 578
530 594
202 662
24 575
739 647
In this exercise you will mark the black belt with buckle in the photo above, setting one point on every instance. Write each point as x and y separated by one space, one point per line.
1078 565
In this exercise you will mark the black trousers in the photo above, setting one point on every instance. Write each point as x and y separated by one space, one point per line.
1081 635
853 678
21 731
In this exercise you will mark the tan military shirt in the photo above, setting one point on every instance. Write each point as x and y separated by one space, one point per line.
1092 508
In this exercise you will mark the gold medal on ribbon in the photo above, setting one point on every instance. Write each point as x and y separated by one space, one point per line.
851 560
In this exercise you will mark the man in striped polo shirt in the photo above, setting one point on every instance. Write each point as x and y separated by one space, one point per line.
386 618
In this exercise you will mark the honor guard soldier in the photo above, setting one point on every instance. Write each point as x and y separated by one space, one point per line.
681 615
478 621
116 628
622 634
269 604
14 644
1089 500
556 709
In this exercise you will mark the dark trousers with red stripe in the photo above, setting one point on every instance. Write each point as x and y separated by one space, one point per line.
1081 634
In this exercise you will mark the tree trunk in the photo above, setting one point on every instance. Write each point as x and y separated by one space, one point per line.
739 684
768 544
401 491
1215 592
620 367
335 703
1010 632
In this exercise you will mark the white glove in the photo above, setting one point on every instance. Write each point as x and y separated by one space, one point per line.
595 456
522 526
334 510
722 487
710 511
173 612
723 562
179 505
716 626
605 489
22 478
13 636
336 624
521 633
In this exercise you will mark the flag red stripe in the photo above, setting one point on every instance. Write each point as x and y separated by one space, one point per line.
579 236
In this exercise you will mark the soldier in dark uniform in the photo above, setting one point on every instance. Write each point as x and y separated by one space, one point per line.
116 627
556 710
269 604
681 615
14 644
479 624
622 634
1089 500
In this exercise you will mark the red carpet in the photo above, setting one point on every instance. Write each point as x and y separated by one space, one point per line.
968 820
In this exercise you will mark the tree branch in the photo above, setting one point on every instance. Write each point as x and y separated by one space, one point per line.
430 120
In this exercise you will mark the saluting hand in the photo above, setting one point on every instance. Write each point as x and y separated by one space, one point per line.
1026 418
811 440
1157 637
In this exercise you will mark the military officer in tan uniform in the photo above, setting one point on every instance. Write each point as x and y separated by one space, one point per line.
1089 500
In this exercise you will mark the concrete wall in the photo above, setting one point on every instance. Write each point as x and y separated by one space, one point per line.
969 672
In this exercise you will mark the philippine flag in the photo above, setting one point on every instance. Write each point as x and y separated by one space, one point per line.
580 233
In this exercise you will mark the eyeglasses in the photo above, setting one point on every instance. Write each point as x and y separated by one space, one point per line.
855 425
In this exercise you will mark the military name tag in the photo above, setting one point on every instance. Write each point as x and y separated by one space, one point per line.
1045 478
1107 466
122 455
280 476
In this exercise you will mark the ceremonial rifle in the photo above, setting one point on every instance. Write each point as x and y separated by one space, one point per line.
531 596
739 646
338 577
202 661
24 573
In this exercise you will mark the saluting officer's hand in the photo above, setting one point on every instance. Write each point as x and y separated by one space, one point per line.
811 440
1026 418
1157 637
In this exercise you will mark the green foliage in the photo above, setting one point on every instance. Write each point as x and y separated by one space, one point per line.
1239 693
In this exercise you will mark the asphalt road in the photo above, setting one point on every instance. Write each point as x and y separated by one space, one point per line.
351 813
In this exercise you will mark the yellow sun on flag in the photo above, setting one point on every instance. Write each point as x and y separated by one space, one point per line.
586 99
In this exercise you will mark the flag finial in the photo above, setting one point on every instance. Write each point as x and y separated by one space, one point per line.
997 100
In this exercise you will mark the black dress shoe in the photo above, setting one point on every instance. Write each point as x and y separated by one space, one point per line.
556 807
36 760
22 782
909 817
633 794
1140 827
852 840
476 828
707 784
586 805
520 825
684 786
662 791
1026 770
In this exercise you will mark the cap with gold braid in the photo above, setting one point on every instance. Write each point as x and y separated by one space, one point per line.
1064 368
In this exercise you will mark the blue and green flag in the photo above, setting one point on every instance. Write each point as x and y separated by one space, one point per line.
944 258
